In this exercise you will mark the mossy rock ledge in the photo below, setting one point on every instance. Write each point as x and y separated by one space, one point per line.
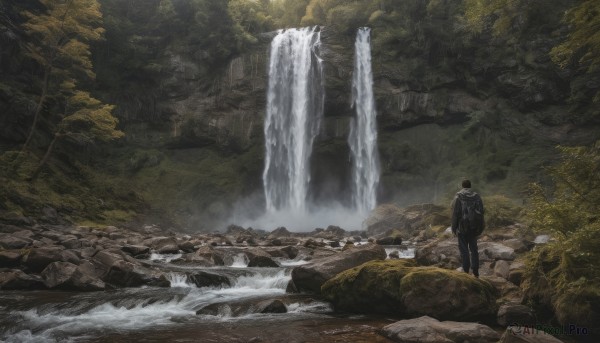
400 287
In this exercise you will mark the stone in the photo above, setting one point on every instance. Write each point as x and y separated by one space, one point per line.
501 269
518 245
389 241
401 288
511 313
262 261
515 273
272 306
429 330
126 274
311 276
334 244
39 258
135 250
187 247
394 254
492 251
17 280
9 258
279 232
436 252
65 275
204 279
406 221
165 245
11 242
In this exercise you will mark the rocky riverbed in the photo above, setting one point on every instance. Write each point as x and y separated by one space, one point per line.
109 284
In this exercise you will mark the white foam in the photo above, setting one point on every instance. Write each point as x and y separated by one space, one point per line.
179 280
402 253
164 257
240 261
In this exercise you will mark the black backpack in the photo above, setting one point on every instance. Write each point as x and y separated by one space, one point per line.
472 221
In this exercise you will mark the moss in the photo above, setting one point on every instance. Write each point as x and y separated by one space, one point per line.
381 287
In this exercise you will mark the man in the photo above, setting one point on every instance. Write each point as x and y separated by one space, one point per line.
467 224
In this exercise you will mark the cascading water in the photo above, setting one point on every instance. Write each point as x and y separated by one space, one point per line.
363 130
294 109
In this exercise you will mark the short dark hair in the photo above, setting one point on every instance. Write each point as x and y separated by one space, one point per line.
466 183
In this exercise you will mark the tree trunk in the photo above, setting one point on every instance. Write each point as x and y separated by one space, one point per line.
37 171
38 108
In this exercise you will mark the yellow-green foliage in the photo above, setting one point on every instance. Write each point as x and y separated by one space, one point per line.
565 275
500 211
583 43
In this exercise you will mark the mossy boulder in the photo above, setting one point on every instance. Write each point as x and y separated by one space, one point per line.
400 287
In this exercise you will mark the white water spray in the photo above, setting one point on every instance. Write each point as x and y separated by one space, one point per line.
294 109
363 130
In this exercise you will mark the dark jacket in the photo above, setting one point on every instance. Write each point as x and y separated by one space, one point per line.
464 194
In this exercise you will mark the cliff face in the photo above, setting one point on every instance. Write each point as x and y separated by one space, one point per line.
192 101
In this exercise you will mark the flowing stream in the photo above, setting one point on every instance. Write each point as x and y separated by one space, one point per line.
294 109
363 131
151 314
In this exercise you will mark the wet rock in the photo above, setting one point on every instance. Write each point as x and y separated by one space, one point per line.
511 313
281 241
348 245
518 245
72 243
39 258
65 275
491 251
11 242
279 232
212 255
262 261
272 306
10 258
126 274
192 259
311 276
187 247
394 254
429 330
204 279
334 244
290 251
501 269
165 245
135 250
23 234
389 241
311 243
515 273
406 221
17 279
399 287
437 252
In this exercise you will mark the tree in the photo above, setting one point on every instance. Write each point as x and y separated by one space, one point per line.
564 275
582 46
59 42
87 120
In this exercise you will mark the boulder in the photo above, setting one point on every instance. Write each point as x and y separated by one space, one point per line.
399 287
290 251
126 274
187 247
429 330
262 261
135 250
65 275
501 269
17 279
279 232
204 279
12 242
438 252
311 243
39 258
10 258
518 245
386 218
397 240
492 251
511 313
515 273
311 276
165 245
271 306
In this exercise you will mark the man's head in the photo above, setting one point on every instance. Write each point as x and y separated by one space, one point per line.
466 183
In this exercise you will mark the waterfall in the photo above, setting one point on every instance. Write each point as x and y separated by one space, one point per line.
363 131
294 109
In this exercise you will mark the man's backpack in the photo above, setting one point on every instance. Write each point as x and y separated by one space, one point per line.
472 221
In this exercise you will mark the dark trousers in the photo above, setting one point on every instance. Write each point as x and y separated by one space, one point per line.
468 243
